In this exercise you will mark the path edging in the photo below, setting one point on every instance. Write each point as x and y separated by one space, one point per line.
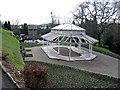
9 75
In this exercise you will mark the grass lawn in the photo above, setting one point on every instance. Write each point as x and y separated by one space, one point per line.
10 46
66 77
104 51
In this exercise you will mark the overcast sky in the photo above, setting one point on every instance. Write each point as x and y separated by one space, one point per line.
36 11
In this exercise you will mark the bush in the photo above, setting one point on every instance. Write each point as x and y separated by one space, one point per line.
4 56
22 51
35 76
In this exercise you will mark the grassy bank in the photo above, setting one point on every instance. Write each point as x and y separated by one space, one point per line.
10 46
104 51
66 77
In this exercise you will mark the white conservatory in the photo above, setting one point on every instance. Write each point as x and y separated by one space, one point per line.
66 41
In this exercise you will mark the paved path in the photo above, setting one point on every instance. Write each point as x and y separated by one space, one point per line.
0 78
5 82
102 64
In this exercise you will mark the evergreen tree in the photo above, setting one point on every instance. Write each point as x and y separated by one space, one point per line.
0 24
9 25
6 25
25 29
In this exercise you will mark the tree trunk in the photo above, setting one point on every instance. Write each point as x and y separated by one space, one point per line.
99 39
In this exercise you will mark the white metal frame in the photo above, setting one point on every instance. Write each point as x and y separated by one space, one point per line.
71 35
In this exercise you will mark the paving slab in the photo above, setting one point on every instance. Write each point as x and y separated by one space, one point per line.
52 52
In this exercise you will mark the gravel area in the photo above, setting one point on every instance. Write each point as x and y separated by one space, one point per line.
65 52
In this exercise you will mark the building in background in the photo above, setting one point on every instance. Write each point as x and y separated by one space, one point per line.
34 31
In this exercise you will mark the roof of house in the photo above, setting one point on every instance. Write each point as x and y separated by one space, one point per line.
32 26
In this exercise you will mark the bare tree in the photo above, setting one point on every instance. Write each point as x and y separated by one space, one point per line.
15 22
118 12
54 20
101 13
15 26
80 14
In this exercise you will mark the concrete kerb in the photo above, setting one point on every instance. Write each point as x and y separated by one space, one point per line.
51 53
9 75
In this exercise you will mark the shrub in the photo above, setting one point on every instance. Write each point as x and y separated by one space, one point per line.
22 51
4 56
35 76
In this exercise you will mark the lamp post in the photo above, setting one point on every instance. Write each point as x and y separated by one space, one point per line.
51 19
